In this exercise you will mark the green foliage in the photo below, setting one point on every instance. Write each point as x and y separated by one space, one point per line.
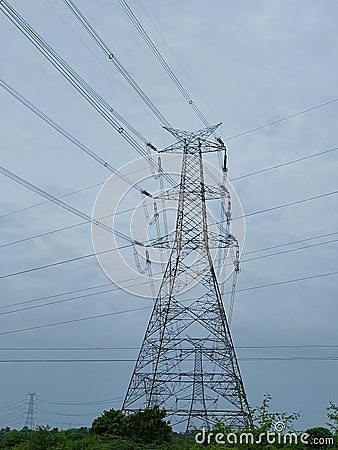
76 433
111 423
88 442
149 426
332 415
44 438
148 430
12 438
23 446
264 419
256 437
142 426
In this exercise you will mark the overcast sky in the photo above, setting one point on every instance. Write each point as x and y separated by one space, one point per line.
253 63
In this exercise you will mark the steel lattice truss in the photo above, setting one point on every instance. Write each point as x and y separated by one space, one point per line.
187 362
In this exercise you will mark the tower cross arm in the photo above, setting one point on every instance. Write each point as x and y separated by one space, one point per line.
193 141
215 241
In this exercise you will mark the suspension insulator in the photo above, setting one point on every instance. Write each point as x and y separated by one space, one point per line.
228 213
150 145
147 257
225 161
155 209
236 262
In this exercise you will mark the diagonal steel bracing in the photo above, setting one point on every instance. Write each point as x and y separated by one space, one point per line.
187 362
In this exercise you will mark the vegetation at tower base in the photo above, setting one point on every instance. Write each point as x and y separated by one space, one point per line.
264 421
149 430
110 423
148 426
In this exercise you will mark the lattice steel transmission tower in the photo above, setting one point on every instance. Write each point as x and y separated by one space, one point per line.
30 413
187 362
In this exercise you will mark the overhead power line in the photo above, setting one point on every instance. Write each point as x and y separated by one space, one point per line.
129 239
99 184
290 116
75 141
61 294
62 360
12 405
27 208
66 134
115 61
238 347
47 233
66 300
58 263
121 212
289 346
248 131
58 230
15 415
250 288
282 119
162 61
82 319
294 280
285 205
93 98
185 94
94 402
143 191
283 252
90 255
287 163
115 360
291 358
61 414
130 209
84 148
68 73
177 59
79 258
59 202
233 179
298 241
290 250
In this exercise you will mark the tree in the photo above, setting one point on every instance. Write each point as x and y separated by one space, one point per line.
112 423
149 426
264 419
44 438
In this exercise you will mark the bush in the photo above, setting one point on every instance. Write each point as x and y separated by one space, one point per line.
149 426
111 423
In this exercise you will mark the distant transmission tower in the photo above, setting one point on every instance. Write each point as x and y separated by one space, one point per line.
30 413
187 362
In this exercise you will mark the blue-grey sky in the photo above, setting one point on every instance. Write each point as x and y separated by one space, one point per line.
253 62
